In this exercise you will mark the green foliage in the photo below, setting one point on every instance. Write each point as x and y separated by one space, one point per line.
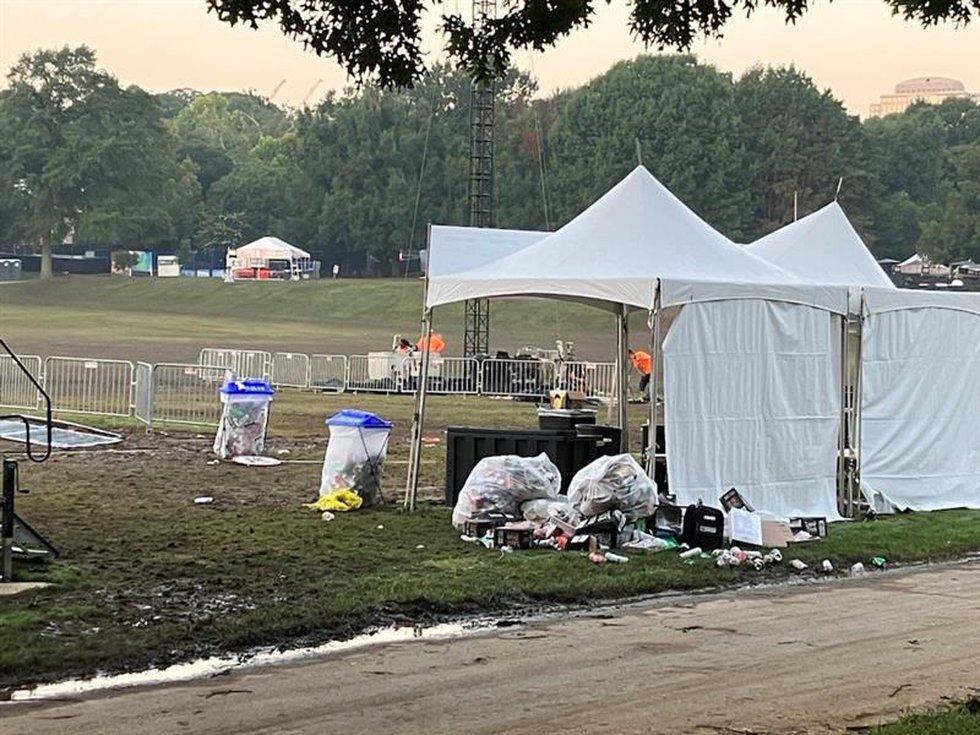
799 142
382 40
357 179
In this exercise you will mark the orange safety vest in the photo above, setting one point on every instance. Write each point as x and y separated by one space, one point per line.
641 361
435 342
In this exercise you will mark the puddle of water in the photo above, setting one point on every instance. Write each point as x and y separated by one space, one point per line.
207 667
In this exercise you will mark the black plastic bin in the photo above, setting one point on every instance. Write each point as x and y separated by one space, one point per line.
570 451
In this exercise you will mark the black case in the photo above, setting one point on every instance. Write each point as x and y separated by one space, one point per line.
704 527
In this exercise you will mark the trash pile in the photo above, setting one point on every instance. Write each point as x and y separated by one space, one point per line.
511 503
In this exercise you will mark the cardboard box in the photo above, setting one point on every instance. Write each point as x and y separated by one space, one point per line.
815 526
776 534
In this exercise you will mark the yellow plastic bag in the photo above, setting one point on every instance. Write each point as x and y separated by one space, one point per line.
341 499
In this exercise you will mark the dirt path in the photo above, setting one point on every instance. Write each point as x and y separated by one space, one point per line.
804 659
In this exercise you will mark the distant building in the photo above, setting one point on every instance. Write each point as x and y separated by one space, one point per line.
932 90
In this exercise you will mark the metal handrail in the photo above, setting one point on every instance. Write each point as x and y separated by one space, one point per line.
27 424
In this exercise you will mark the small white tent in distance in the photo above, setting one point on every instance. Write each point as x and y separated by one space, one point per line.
268 257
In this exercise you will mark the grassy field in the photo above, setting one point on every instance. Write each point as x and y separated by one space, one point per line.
161 320
146 576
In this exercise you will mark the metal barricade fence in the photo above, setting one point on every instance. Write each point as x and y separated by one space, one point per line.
595 379
143 393
16 391
187 394
290 370
449 375
379 372
516 378
84 385
328 373
245 363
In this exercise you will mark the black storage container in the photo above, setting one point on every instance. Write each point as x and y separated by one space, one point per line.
465 446
564 419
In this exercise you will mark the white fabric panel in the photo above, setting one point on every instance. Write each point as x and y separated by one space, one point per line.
456 249
679 292
878 301
752 401
615 251
823 247
920 401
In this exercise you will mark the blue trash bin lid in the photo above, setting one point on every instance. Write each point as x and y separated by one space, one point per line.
249 386
353 417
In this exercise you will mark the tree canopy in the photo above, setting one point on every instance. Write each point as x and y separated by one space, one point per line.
380 40
357 179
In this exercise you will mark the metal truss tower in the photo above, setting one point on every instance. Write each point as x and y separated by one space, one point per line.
476 335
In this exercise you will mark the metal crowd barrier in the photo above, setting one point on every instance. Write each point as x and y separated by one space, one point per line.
595 379
328 373
188 393
290 370
245 363
84 385
16 390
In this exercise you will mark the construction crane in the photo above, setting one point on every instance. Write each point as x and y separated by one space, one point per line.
476 334
310 93
276 90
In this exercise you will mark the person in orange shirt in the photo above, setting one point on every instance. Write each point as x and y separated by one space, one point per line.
434 342
643 364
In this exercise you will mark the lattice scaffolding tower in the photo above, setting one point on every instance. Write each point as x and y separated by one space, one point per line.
476 335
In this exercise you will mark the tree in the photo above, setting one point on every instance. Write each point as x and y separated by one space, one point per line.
83 153
799 141
681 114
956 233
381 39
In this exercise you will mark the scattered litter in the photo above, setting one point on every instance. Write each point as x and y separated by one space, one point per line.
340 500
256 461
616 558
327 516
857 569
203 500
430 440
827 566
798 565
505 549
214 461
802 536
381 527
691 553
420 546
596 558
879 562
283 451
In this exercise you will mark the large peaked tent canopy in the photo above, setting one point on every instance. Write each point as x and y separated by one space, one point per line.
823 247
614 253
271 248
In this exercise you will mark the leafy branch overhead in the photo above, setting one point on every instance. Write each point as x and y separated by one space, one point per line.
380 40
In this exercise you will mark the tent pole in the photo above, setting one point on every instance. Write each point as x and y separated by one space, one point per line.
855 488
654 360
622 377
843 497
418 417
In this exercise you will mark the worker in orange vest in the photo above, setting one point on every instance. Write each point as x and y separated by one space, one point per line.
434 343
643 364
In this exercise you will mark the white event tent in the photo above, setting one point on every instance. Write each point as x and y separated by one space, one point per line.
823 247
259 253
920 354
639 247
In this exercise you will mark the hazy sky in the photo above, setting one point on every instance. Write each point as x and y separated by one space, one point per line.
854 47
